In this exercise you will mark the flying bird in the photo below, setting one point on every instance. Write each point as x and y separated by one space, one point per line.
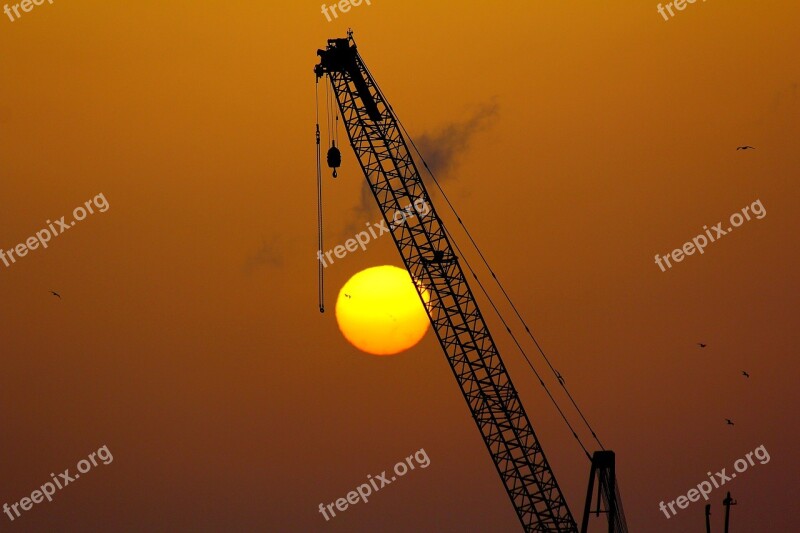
745 148
54 293
347 296
728 420
745 374
700 344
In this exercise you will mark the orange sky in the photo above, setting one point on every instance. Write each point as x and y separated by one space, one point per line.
188 338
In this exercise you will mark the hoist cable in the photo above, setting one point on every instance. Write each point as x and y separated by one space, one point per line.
321 280
497 281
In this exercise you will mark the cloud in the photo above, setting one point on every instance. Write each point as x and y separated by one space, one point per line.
441 149
786 97
269 255
780 113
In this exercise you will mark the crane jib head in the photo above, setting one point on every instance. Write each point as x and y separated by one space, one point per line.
342 57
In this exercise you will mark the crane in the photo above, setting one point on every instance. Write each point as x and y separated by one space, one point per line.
377 138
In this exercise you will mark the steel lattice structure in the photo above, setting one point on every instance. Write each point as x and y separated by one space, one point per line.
376 138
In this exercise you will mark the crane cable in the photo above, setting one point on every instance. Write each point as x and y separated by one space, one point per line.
332 115
335 122
321 281
333 135
558 376
508 329
328 109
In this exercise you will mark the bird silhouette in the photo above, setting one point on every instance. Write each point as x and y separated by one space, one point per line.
347 296
745 374
54 293
700 344
728 420
745 148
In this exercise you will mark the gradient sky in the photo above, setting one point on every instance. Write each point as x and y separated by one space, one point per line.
589 137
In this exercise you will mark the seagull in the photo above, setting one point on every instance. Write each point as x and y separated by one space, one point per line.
700 344
729 421
54 293
745 374
745 148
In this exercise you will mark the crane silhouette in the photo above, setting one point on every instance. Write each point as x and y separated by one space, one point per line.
382 146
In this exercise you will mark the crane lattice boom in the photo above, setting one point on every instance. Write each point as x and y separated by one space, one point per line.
376 138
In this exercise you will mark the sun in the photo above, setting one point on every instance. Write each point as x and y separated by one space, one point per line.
379 311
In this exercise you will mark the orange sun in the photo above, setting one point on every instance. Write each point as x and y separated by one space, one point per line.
379 311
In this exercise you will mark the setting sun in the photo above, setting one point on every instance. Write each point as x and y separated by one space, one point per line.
379 311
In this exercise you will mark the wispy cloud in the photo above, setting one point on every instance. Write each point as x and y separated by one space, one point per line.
441 149
269 255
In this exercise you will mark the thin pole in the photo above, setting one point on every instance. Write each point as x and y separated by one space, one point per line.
727 502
